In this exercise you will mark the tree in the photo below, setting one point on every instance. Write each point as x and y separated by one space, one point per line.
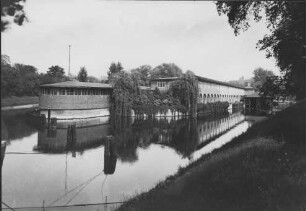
18 80
56 71
186 90
166 70
54 74
82 76
286 40
141 75
114 69
260 76
93 79
124 91
12 8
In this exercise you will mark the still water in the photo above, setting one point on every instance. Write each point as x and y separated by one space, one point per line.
42 168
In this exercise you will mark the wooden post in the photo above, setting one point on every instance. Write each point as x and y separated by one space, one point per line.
49 115
3 148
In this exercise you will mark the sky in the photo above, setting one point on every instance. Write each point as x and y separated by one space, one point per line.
190 34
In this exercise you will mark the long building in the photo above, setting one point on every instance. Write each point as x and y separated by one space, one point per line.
209 90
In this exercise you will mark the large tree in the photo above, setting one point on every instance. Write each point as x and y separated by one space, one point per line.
260 76
54 74
114 69
12 9
83 76
286 40
166 70
141 75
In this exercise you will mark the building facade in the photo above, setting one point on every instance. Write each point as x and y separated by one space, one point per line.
209 90
73 99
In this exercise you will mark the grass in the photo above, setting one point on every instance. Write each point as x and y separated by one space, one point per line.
263 169
16 101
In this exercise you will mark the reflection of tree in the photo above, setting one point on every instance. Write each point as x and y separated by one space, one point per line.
17 125
178 134
124 139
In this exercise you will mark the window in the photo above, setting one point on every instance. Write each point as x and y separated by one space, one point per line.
53 91
161 84
70 92
62 92
78 92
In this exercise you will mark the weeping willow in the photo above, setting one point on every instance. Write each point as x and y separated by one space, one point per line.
122 97
186 91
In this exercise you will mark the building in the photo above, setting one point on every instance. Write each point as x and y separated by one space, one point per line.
73 99
163 84
249 90
255 104
209 90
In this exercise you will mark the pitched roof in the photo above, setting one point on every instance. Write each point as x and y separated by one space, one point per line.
200 78
253 95
77 84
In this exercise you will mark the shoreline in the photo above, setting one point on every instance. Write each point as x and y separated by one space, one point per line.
258 170
19 107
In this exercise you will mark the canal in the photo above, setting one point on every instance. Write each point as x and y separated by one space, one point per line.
42 168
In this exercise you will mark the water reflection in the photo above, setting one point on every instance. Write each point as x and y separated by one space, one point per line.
133 154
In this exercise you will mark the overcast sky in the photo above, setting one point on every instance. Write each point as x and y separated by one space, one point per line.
189 34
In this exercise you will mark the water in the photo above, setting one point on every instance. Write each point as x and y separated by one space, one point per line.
42 167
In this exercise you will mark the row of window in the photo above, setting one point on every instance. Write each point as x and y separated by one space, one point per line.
70 91
219 96
161 84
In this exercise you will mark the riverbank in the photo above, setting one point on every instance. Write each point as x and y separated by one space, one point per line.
263 169
14 101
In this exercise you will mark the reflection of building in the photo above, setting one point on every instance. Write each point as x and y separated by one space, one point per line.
53 140
73 99
208 130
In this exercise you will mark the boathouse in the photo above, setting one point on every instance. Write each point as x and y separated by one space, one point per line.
257 105
73 99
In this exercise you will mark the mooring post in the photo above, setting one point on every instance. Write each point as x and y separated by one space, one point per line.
73 131
49 114
43 119
3 148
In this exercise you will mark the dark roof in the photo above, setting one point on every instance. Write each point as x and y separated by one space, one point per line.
77 84
165 79
145 88
253 95
200 78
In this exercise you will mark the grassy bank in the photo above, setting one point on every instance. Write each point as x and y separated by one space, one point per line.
16 101
263 169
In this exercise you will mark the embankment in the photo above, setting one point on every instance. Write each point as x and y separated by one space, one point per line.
263 169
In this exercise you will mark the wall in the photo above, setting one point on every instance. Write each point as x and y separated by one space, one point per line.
73 101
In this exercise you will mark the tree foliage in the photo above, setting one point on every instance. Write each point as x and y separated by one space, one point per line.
260 76
24 80
54 74
186 90
166 70
273 87
122 97
114 70
141 75
286 40
82 76
18 79
12 9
